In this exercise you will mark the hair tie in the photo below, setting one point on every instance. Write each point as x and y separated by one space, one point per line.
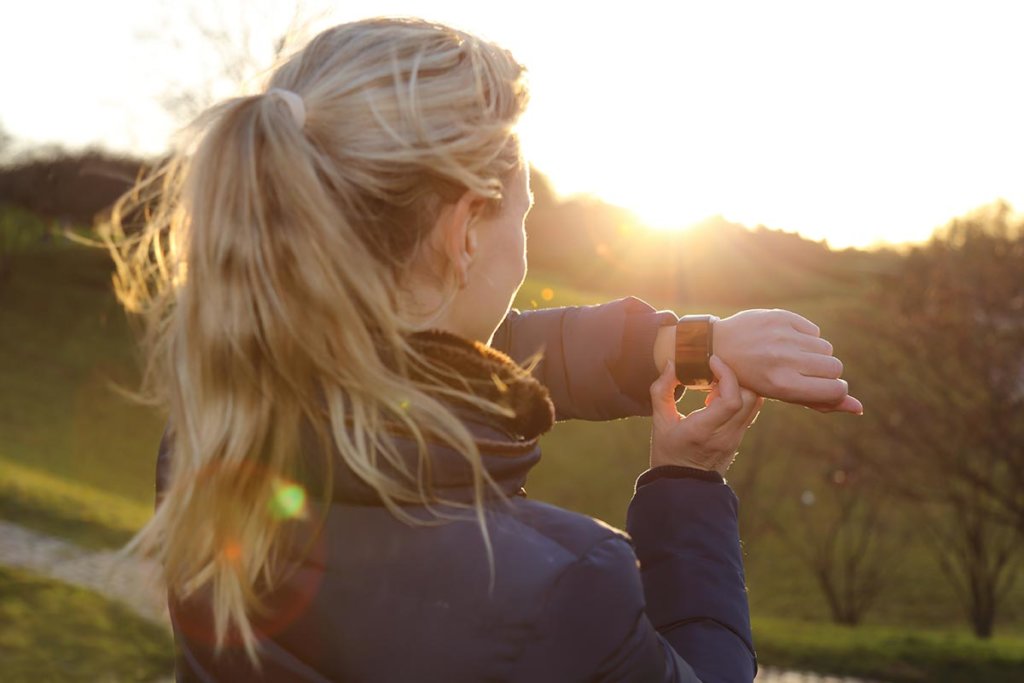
294 102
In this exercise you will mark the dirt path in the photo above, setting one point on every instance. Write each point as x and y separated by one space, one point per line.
126 580
129 581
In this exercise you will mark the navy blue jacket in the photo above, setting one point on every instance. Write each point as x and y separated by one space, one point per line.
379 600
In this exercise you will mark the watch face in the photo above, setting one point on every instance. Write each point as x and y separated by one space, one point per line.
692 341
693 354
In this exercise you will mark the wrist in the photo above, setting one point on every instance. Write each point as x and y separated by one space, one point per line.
664 346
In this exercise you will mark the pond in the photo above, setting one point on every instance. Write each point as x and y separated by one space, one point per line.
767 674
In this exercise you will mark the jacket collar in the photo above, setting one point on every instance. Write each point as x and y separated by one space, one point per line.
509 445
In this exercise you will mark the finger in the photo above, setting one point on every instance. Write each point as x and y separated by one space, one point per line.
663 400
741 419
712 395
818 365
802 324
810 344
728 401
815 390
755 411
848 404
727 386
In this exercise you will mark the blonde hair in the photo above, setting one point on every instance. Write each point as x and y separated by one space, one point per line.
266 272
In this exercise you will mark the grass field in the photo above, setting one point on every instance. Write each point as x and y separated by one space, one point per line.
65 345
889 653
77 461
50 631
87 516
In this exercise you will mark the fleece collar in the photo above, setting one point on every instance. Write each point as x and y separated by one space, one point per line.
490 374
508 445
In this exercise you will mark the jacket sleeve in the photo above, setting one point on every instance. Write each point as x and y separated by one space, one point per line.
597 361
686 535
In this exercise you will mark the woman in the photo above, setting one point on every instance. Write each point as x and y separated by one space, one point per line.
341 483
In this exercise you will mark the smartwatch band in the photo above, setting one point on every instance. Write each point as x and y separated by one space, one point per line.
695 343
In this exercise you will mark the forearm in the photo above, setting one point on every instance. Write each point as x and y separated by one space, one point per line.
686 536
597 362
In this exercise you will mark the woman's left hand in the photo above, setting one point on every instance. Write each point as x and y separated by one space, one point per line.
780 354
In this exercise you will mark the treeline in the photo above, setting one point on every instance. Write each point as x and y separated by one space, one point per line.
66 188
935 349
586 242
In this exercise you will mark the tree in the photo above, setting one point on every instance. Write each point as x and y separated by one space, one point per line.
942 365
232 41
978 556
840 524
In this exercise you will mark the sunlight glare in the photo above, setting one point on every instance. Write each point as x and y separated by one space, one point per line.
851 123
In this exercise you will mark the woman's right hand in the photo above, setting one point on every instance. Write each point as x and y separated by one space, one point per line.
707 438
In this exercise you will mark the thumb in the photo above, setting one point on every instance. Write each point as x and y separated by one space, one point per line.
728 386
728 400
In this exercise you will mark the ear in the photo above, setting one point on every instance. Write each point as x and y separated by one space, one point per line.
456 233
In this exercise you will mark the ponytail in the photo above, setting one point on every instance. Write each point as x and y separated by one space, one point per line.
266 275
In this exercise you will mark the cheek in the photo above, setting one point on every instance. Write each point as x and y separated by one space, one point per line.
520 251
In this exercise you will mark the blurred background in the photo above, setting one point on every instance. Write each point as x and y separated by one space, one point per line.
858 163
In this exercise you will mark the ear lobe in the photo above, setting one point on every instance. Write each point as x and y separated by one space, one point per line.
466 252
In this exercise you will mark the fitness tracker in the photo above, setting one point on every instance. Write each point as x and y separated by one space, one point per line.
695 343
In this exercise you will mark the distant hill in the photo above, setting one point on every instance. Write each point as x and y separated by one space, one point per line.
71 188
583 242
593 245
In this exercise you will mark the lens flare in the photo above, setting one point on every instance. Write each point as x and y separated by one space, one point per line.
232 551
288 501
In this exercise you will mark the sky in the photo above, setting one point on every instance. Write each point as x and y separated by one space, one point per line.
855 122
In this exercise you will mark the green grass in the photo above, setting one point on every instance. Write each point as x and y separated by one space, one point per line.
542 290
65 344
50 631
77 459
888 653
591 467
59 507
